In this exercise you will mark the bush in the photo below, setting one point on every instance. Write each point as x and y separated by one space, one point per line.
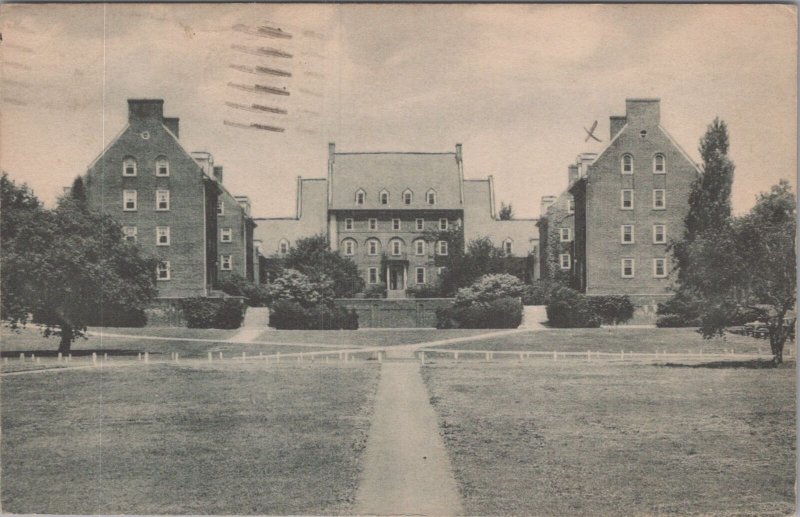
217 313
375 290
256 295
294 286
670 320
290 315
537 293
502 313
570 309
423 291
612 310
111 316
678 311
490 287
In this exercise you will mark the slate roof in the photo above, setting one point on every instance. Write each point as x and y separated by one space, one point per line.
395 172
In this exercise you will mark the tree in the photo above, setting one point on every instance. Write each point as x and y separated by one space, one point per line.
16 204
78 192
65 266
313 257
506 212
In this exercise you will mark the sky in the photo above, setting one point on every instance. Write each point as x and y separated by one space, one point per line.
515 84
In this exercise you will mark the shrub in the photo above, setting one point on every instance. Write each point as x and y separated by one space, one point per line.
256 295
290 315
612 310
495 314
375 290
570 309
679 311
490 287
218 313
115 316
670 320
423 291
537 293
294 286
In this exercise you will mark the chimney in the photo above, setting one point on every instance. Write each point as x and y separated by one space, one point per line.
140 110
218 173
616 123
547 202
572 174
244 202
204 160
458 153
331 151
643 112
173 125
584 161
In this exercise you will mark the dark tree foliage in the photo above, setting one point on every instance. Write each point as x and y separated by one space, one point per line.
313 257
506 212
16 204
78 192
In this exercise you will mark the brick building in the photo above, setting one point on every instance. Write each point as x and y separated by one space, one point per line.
167 201
376 208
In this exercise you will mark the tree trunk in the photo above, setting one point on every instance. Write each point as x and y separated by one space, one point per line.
777 338
67 337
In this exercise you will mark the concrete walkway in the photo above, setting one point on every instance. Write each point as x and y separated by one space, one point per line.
534 317
255 323
406 468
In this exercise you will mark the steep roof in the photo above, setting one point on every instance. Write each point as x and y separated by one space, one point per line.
395 173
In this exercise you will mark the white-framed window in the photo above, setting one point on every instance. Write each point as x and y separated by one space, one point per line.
226 262
129 166
440 270
626 199
162 166
384 197
659 234
565 234
430 197
420 224
626 234
659 199
372 247
627 164
659 164
373 224
408 197
564 261
283 247
129 200
348 224
397 247
220 206
508 246
361 197
373 275
420 273
395 224
162 200
162 235
659 267
443 223
442 248
628 269
225 235
419 247
570 206
349 247
163 270
130 233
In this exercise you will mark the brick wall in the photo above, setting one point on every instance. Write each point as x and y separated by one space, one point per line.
403 313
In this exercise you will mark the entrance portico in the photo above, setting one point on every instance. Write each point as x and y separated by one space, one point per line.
396 279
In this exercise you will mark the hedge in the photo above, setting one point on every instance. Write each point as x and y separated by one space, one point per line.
570 309
217 313
611 309
290 315
501 313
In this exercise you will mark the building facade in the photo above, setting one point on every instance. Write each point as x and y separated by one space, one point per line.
167 200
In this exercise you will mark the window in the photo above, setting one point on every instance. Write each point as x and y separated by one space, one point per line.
373 275
659 199
626 199
420 275
162 270
627 164
626 234
440 270
349 247
442 248
397 247
659 267
162 235
348 224
162 166
659 234
627 268
659 164
373 224
419 247
643 133
571 206
361 197
395 224
564 261
129 166
565 234
129 200
508 245
408 197
225 235
431 197
443 223
220 207
420 224
372 247
283 247
162 200
384 197
130 233
226 262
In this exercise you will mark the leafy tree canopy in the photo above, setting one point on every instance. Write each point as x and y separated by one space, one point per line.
313 257
506 212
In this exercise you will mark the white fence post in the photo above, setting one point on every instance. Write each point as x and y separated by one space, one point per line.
220 356
147 357
455 356
59 357
210 357
94 358
22 357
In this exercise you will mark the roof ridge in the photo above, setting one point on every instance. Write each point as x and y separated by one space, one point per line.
395 152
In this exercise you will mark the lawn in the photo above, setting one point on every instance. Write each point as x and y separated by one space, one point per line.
233 439
544 438
616 339
364 337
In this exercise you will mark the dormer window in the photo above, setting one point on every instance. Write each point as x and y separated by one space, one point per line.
627 164
659 164
162 166
408 197
283 247
361 197
431 197
384 197
220 207
129 166
508 245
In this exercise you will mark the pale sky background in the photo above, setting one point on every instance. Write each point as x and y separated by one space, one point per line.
515 84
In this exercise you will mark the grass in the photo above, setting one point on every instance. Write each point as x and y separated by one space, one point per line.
616 339
221 334
543 438
233 439
364 337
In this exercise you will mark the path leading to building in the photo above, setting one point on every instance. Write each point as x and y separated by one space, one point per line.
255 323
534 317
406 468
